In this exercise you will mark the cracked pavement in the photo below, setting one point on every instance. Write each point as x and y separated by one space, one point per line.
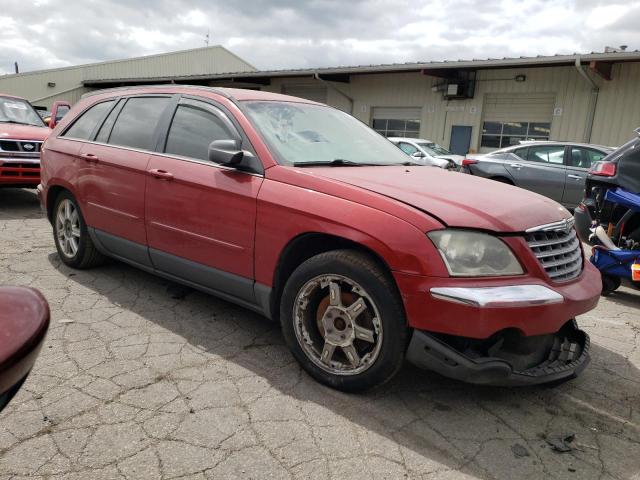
134 383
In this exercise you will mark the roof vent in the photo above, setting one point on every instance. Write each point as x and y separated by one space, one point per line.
621 48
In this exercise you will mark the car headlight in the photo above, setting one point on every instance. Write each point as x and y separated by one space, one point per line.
474 254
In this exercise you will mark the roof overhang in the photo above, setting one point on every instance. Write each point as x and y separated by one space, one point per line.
343 74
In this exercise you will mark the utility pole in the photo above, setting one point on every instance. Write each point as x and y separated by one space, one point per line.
15 66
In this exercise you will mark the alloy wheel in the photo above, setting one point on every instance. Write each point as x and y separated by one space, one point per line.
68 228
337 324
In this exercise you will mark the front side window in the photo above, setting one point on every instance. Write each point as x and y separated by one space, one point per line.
84 126
584 157
192 130
136 124
300 134
407 148
15 110
507 134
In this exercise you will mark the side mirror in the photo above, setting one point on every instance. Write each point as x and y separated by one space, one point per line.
418 154
58 110
226 152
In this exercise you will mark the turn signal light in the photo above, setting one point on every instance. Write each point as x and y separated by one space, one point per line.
603 169
635 272
468 161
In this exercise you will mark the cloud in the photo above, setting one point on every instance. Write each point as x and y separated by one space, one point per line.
274 34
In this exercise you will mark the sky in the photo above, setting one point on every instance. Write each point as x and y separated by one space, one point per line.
272 34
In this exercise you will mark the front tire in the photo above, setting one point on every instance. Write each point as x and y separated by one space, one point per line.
71 236
343 320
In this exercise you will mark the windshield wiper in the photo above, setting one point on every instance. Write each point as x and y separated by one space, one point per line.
18 123
336 162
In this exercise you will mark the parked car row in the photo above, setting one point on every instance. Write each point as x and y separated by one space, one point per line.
300 212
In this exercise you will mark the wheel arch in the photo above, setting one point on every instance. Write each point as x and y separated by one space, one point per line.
307 245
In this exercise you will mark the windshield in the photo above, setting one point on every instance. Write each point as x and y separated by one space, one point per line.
14 110
300 134
434 149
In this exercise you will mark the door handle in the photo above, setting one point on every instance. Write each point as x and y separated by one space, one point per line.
90 157
161 174
576 177
516 165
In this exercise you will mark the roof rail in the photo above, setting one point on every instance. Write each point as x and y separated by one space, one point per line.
217 90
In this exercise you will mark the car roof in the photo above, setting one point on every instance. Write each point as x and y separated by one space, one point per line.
238 94
552 142
6 95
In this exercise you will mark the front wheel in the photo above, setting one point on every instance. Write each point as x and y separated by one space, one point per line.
343 320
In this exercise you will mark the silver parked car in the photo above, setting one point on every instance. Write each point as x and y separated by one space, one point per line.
557 170
427 152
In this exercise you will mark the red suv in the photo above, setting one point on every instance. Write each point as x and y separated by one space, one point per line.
300 212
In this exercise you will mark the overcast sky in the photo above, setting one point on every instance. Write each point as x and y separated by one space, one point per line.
309 33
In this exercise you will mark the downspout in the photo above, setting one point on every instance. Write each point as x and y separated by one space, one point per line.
336 89
593 101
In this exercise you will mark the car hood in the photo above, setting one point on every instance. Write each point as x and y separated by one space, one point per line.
455 199
23 132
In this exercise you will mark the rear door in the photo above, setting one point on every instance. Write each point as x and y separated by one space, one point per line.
539 168
115 171
201 216
578 162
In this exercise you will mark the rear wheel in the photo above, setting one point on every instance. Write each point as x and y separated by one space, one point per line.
74 245
343 320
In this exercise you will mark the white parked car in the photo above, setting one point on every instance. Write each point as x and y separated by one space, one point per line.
427 152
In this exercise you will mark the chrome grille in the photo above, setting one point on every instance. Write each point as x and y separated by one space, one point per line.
558 251
20 148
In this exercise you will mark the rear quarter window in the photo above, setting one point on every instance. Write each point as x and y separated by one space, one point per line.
84 126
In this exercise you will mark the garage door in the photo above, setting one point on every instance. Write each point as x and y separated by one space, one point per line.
510 118
313 93
397 121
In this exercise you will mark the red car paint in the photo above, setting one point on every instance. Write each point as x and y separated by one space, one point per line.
241 224
24 320
20 168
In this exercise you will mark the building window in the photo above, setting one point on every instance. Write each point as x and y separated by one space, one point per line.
397 128
506 134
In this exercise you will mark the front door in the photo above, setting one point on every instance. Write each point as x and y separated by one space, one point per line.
200 216
539 168
460 139
579 161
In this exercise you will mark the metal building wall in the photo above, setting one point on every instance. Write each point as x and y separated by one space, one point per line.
618 108
68 81
617 113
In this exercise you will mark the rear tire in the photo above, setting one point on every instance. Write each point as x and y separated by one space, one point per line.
71 236
343 320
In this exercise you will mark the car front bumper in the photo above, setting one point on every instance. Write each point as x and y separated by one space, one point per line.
19 172
563 356
479 308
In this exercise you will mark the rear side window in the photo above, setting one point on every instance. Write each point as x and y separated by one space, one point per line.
546 154
136 124
584 157
192 130
84 126
105 129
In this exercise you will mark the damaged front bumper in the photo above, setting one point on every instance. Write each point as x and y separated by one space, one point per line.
505 359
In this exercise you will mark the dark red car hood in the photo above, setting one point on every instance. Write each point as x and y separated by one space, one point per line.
455 199
23 132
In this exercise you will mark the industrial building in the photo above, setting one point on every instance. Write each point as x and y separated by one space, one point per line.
465 105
